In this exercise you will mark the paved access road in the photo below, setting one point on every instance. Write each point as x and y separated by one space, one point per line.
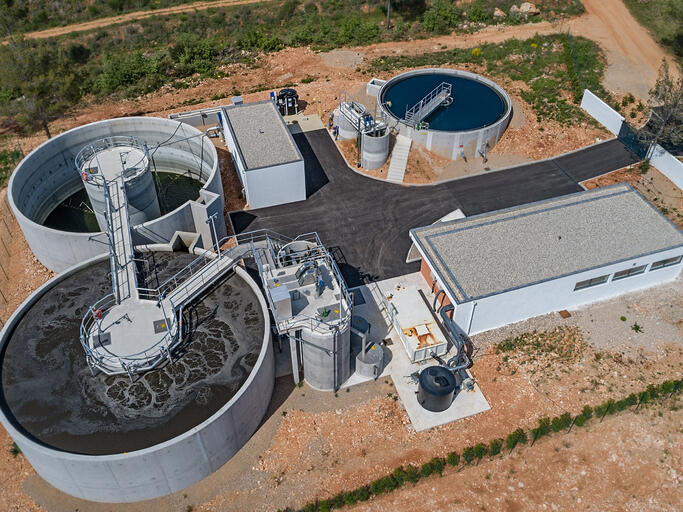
365 222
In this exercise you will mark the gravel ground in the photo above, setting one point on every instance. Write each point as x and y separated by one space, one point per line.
657 310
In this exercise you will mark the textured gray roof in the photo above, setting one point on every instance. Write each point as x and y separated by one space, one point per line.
507 249
261 134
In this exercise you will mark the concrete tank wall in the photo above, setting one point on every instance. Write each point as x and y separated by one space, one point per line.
326 358
166 467
374 150
47 176
445 143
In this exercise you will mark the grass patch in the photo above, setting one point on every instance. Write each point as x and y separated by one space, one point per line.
564 343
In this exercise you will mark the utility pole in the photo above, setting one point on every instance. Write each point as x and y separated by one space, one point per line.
388 14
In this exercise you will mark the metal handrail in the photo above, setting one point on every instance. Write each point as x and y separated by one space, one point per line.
244 245
149 355
90 151
422 108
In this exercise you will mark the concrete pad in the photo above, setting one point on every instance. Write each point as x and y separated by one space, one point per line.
397 363
300 123
466 403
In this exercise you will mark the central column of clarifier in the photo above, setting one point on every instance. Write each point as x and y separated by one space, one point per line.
106 159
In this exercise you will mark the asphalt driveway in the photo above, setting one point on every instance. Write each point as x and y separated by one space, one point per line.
365 222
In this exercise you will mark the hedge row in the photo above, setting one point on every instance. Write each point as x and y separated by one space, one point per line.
546 426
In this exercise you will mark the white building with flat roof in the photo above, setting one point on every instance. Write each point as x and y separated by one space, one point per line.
509 265
267 160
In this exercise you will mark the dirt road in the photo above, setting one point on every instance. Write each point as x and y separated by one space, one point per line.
632 54
134 16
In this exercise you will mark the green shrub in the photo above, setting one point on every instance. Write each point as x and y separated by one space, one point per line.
561 422
543 428
441 16
338 500
479 450
426 469
620 405
350 498
653 390
643 397
515 438
412 474
438 463
453 459
667 387
477 12
580 420
495 446
399 476
468 454
382 485
362 494
324 506
14 450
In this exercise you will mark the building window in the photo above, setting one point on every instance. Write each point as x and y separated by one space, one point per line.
666 263
581 285
622 274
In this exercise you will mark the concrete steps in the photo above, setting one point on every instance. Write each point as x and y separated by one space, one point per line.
399 159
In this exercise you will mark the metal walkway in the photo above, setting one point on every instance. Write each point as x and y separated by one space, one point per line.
439 95
124 279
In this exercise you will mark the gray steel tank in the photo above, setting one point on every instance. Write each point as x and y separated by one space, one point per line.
109 439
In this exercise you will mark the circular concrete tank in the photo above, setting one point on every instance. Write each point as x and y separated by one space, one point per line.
471 123
375 149
47 177
105 438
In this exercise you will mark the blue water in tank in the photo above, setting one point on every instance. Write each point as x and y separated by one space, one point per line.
475 104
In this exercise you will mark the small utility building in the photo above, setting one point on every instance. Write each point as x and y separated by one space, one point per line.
266 158
509 265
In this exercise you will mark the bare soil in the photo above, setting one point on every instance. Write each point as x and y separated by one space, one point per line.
316 454
627 462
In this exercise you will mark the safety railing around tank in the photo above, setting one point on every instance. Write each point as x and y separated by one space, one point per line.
90 152
110 363
428 104
314 324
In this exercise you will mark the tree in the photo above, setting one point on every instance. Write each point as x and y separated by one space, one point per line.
665 126
37 84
